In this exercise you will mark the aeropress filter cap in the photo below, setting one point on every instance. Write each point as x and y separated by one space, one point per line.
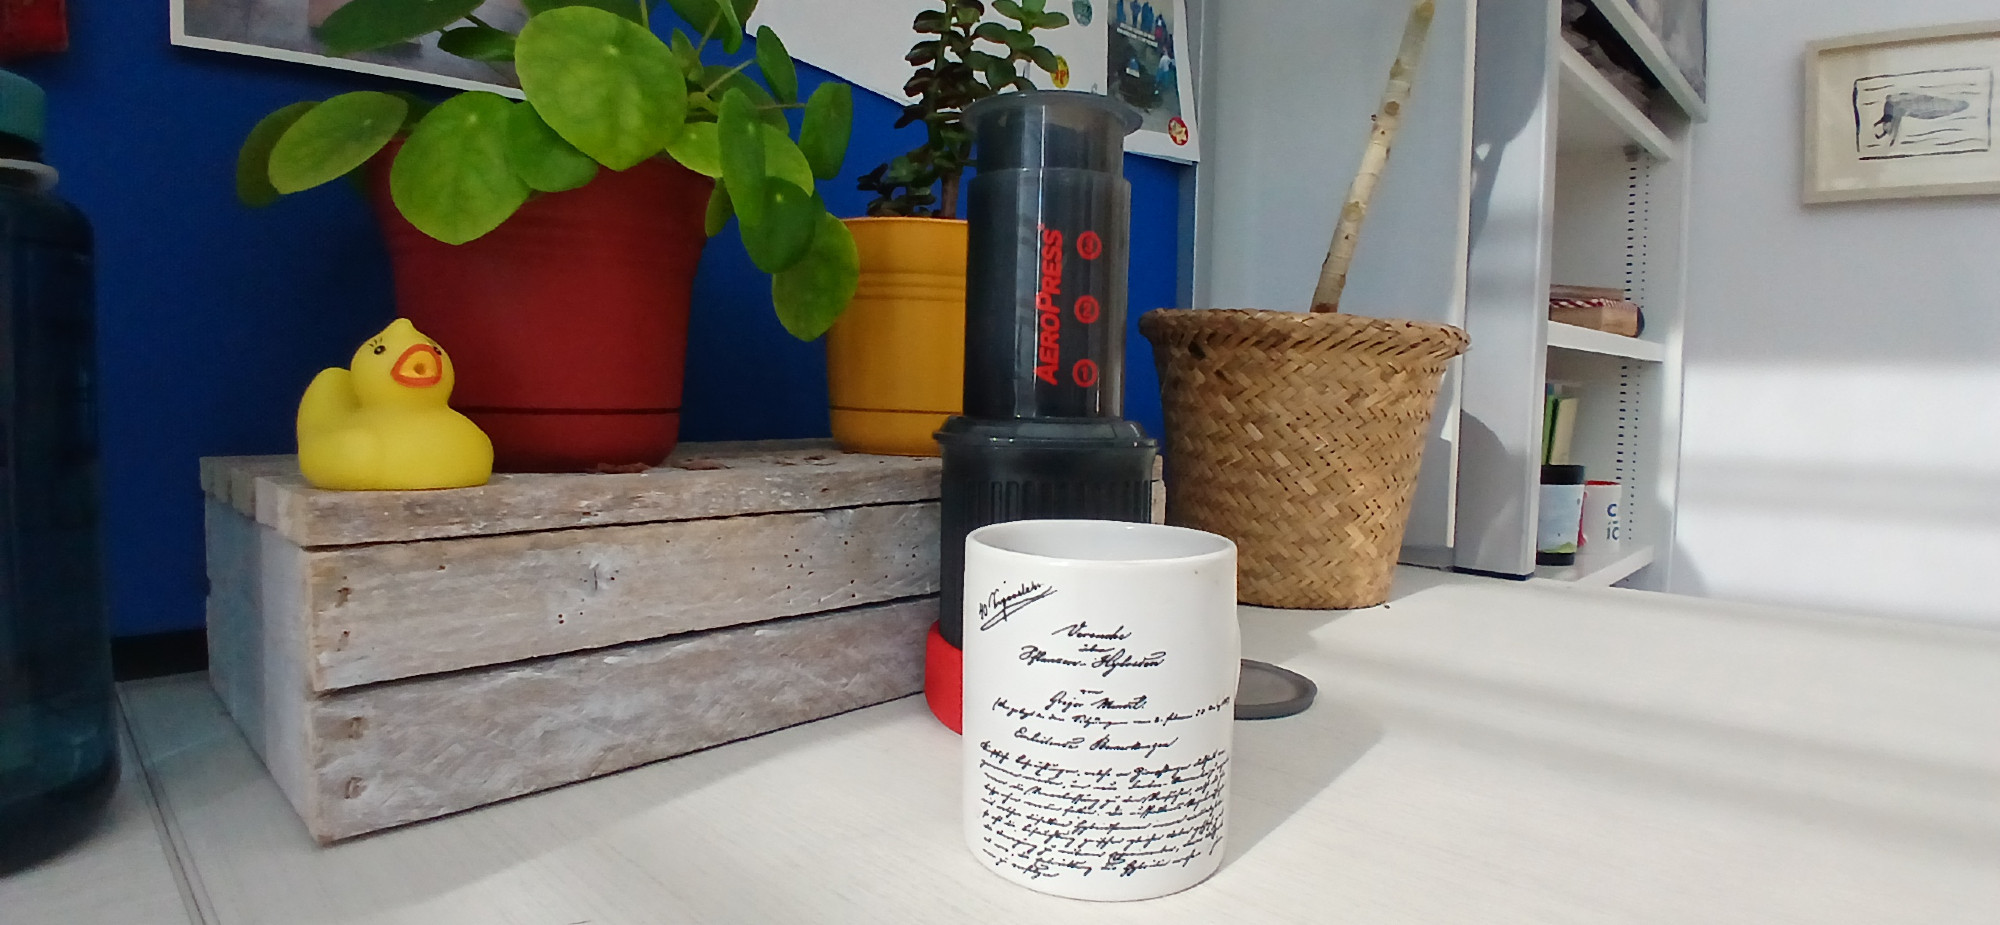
1051 130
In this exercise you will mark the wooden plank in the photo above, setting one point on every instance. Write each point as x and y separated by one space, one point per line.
378 613
702 480
409 750
257 659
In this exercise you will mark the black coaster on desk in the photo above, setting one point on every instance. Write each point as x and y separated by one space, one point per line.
1265 691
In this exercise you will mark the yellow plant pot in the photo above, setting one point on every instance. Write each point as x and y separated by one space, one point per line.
895 362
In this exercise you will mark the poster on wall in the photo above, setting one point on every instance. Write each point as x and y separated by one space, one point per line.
1901 114
1129 49
283 29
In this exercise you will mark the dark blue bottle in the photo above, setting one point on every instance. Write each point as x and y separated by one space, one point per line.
58 751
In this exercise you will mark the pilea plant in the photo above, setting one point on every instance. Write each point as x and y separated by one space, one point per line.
603 92
953 71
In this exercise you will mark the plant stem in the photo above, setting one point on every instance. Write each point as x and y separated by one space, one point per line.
738 69
948 203
478 22
1389 118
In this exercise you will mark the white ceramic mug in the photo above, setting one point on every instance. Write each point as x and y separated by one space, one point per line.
1601 517
1100 681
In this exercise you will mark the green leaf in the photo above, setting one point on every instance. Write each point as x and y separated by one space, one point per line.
1011 10
710 17
719 211
419 107
790 219
741 145
930 22
1051 21
992 32
478 43
766 106
824 130
1044 59
253 160
365 25
811 295
452 179
333 138
630 9
685 52
604 83
743 9
540 157
698 149
776 64
783 160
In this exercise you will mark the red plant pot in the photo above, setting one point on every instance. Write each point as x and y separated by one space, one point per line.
568 323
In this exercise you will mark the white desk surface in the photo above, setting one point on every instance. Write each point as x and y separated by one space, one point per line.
1481 751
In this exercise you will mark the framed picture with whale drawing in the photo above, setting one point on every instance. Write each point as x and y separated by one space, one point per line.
1894 115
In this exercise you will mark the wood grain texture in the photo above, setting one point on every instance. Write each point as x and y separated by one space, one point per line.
700 481
1481 751
257 656
409 750
398 610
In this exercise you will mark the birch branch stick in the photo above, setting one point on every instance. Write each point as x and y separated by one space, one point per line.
1388 119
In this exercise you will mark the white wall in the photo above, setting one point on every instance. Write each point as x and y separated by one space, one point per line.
1288 92
1842 410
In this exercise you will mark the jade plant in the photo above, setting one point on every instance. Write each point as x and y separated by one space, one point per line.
961 60
602 92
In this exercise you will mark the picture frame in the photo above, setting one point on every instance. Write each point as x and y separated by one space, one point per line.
864 41
1902 114
282 30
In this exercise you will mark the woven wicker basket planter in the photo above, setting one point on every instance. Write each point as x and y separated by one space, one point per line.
1299 436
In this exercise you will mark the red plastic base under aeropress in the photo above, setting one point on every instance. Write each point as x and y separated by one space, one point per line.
944 681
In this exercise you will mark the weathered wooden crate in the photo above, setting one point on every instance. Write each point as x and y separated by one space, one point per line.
396 656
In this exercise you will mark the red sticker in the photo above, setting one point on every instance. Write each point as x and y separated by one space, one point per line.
1087 309
1177 130
1089 246
1084 372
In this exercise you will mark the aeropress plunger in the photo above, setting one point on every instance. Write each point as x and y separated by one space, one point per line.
1042 435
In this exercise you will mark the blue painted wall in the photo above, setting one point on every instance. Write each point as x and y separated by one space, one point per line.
212 318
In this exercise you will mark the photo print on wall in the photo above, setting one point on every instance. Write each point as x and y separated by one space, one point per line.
285 30
1902 114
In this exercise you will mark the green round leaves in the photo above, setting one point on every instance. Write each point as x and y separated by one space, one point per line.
540 157
253 162
698 149
604 83
333 138
365 25
790 222
452 179
823 132
741 144
811 295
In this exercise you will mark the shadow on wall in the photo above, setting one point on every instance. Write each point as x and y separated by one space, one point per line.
1869 489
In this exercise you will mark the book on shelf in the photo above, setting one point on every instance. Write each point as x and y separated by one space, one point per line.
1558 426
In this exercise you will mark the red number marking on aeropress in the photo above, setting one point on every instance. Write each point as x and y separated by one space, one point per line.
1049 317
1084 372
1087 309
1089 246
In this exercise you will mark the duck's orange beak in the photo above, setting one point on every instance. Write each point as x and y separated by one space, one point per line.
419 367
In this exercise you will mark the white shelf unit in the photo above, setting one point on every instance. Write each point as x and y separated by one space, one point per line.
1581 188
1598 571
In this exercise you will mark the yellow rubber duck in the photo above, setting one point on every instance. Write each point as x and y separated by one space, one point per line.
384 425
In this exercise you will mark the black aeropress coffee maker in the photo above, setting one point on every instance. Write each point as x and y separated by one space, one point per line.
1042 435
